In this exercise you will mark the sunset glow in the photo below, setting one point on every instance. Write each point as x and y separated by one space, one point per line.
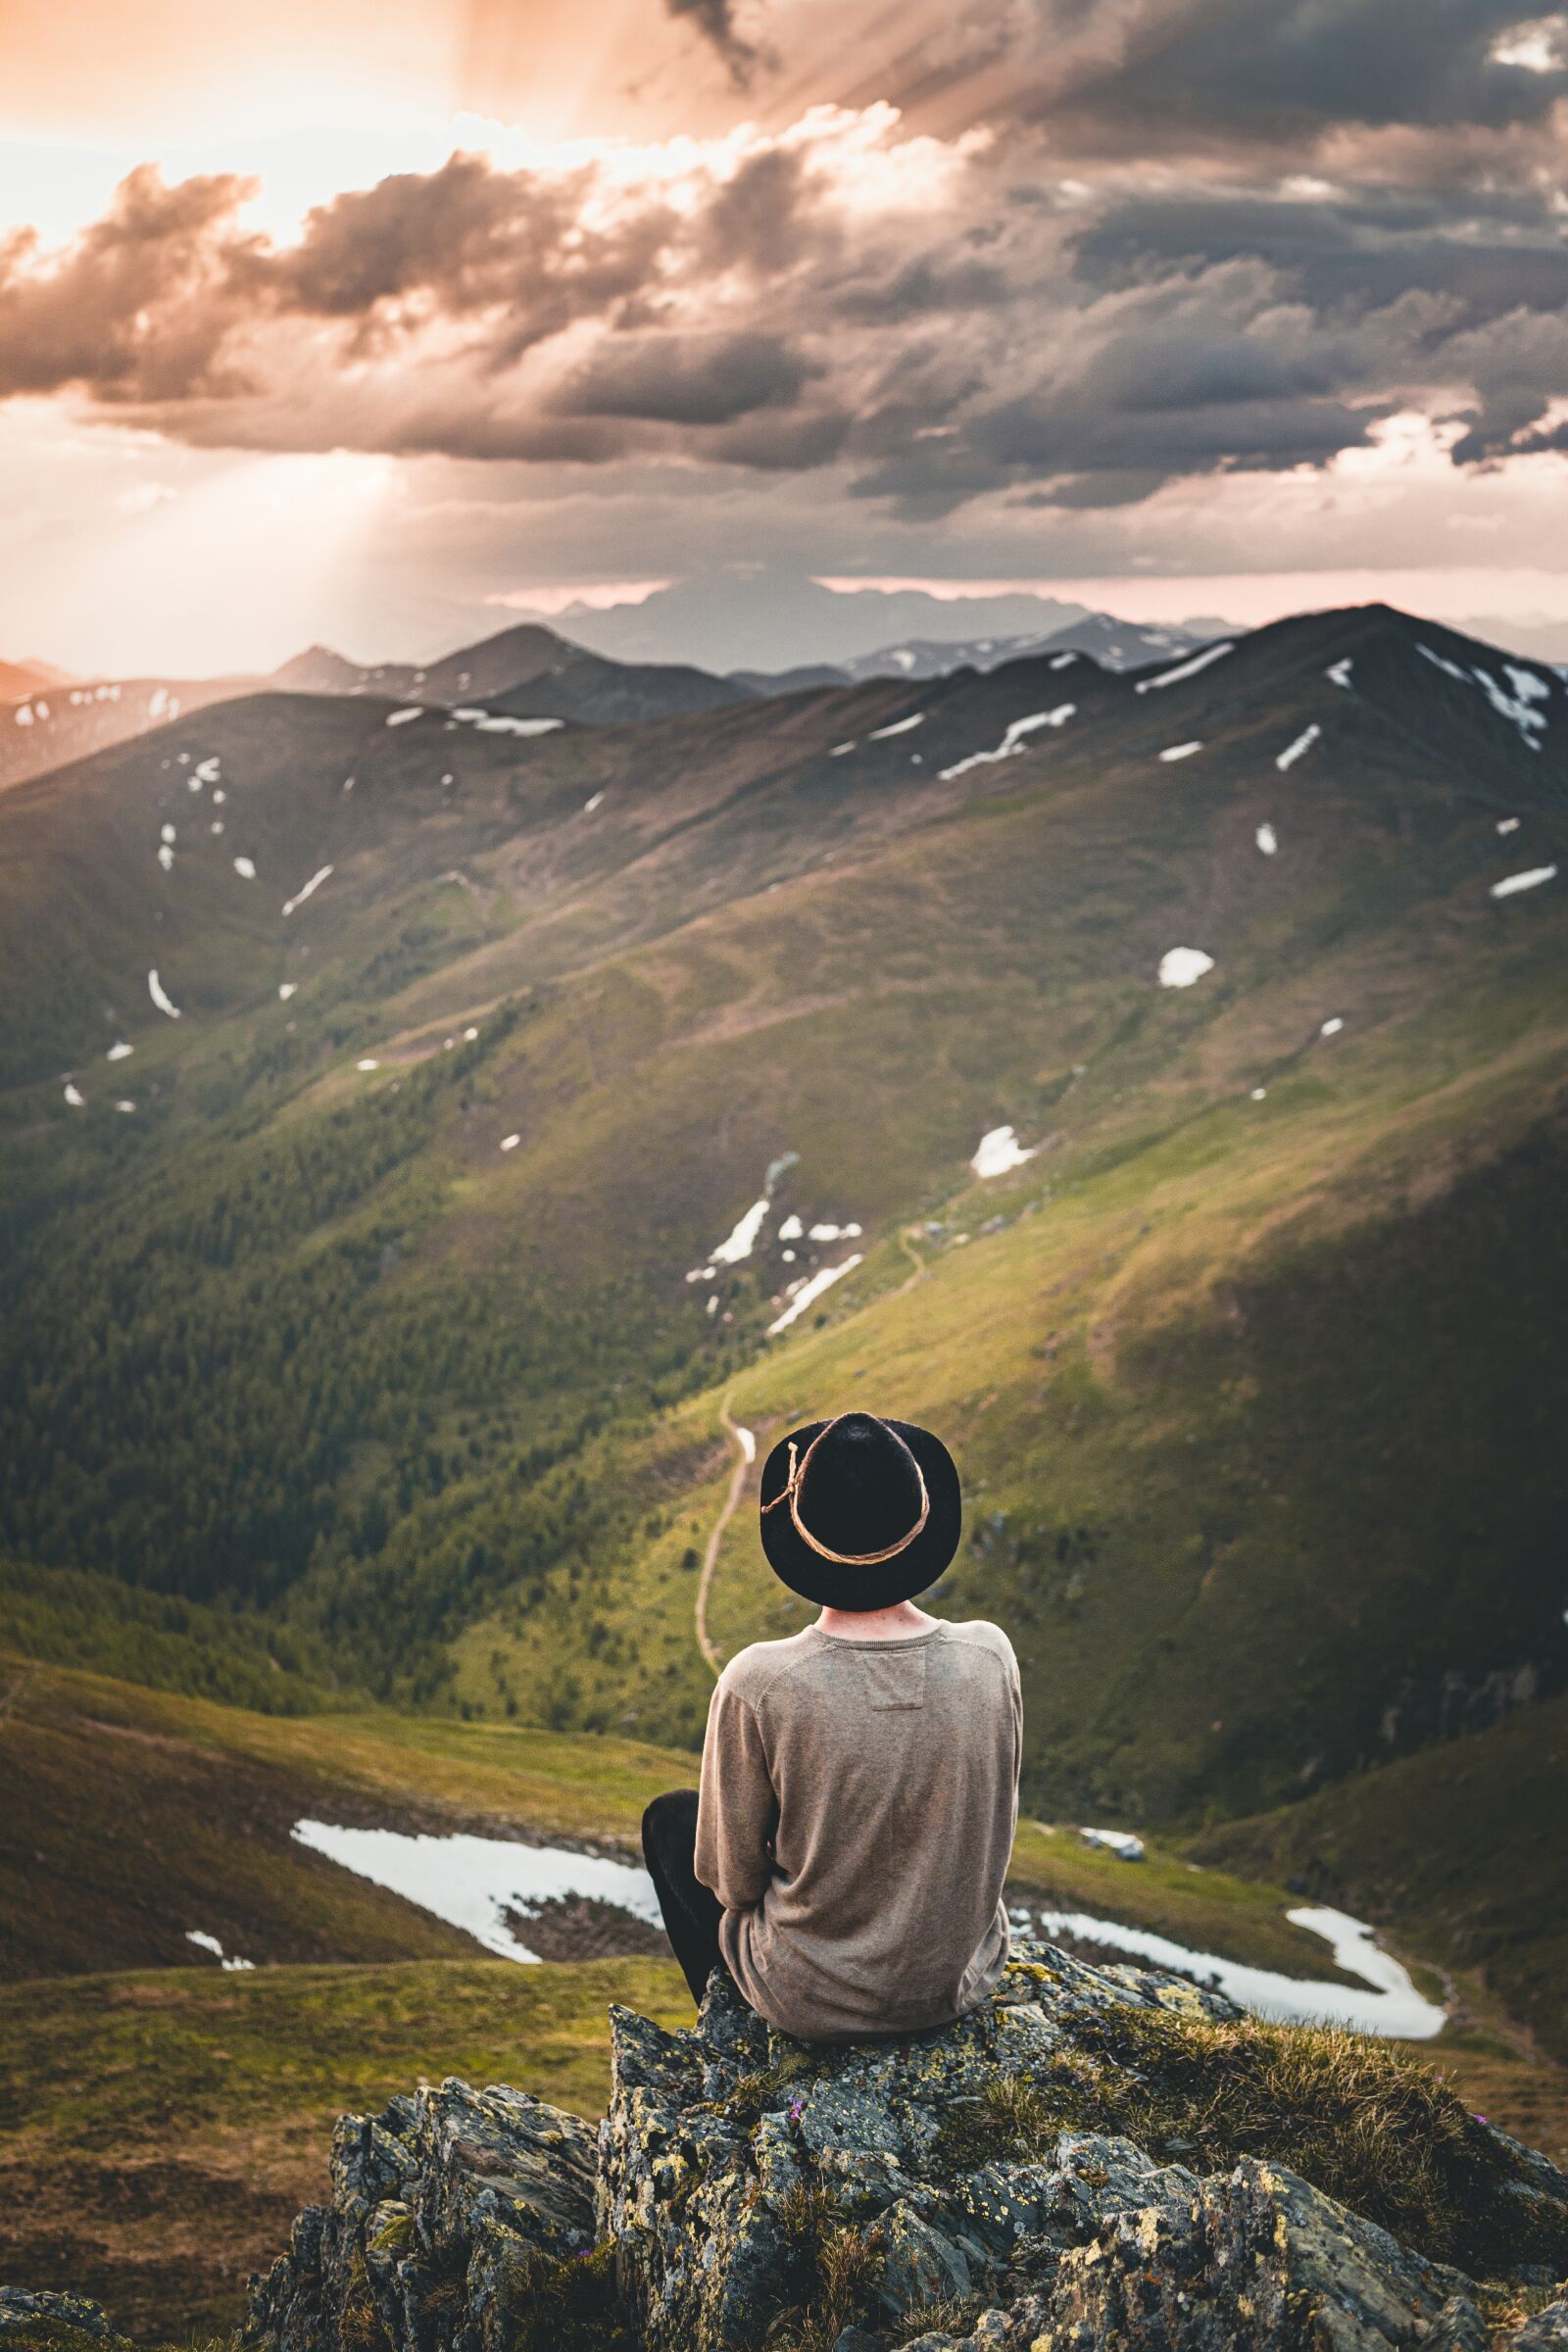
414 314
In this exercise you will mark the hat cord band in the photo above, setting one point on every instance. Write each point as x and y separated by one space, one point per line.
790 1492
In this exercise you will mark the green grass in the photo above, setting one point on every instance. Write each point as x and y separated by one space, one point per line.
71 1617
1462 1844
161 2129
129 1818
1370 2125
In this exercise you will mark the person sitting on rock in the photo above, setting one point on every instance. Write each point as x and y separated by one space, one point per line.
846 1852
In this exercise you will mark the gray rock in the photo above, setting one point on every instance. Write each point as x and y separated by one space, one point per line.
742 2183
1547 2331
47 2318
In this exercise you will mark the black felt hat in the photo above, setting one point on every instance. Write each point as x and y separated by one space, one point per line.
860 1513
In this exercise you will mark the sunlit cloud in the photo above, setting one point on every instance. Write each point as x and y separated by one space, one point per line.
1538 47
593 596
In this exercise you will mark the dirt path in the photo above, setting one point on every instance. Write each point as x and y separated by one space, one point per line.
746 1450
921 1266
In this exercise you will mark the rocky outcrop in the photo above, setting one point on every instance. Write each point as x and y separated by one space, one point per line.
443 2210
926 2192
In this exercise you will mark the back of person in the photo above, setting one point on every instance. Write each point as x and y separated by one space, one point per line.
858 1807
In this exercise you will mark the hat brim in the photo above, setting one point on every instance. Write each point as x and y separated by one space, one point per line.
882 1584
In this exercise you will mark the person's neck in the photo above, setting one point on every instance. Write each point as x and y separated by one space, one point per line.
876 1625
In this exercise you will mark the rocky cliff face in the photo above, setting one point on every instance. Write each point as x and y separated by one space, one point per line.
958 2191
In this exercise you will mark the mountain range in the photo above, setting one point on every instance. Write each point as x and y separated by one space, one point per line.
432 1128
456 1049
525 670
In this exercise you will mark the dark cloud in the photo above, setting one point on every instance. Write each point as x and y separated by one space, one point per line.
1159 74
687 379
938 322
714 20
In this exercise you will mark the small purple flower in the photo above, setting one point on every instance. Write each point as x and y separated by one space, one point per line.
1480 2119
797 2110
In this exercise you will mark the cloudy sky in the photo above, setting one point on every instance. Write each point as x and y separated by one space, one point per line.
379 320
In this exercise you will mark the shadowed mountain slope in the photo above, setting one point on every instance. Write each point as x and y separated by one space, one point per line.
403 1305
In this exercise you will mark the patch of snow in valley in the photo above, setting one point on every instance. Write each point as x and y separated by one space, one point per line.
500 724
1065 662
245 868
510 1142
741 1241
997 1152
1179 968
219 797
470 1035
75 1096
1508 824
217 825
472 1883
119 1052
900 726
168 833
166 857
22 714
160 996
1297 750
1332 1026
1180 751
839 750
286 989
1268 841
157 702
125 1106
1441 662
208 771
1122 1843
1013 741
1531 880
320 876
1390 2004
1338 673
209 1943
1187 669
401 718
368 1061
1259 1094
589 805
791 1230
834 1233
811 1291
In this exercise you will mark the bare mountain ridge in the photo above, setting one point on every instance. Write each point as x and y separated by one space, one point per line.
526 670
700 808
1114 644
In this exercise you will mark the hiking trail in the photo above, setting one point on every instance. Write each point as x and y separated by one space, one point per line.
746 1449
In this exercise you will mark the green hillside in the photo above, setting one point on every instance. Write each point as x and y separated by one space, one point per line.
1253 1366
130 1815
1462 1844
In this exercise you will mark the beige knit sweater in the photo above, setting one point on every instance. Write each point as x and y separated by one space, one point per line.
858 1808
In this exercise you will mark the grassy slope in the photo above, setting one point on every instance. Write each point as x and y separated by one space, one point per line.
162 2129
132 1817
149 1814
400 1410
1462 1844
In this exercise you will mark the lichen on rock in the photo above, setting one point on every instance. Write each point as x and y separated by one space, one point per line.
965 2188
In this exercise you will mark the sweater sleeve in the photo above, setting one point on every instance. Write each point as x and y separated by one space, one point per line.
737 1810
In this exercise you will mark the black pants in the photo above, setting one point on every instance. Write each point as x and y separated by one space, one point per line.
692 1911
